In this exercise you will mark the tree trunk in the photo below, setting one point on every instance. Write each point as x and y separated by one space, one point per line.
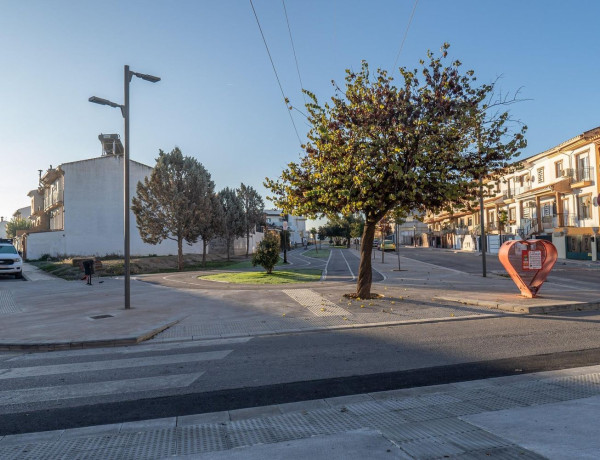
247 242
180 253
365 275
228 244
204 245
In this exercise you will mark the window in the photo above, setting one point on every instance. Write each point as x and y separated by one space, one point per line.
558 167
512 214
584 206
540 175
470 221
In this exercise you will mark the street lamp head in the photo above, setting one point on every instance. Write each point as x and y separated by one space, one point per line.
99 100
145 76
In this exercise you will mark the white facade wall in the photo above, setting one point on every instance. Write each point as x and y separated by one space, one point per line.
93 204
52 243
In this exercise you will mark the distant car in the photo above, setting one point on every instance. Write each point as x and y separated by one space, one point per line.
375 243
11 262
387 246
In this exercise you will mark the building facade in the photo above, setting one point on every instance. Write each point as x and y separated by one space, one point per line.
552 195
296 225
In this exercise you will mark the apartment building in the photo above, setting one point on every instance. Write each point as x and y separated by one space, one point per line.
552 195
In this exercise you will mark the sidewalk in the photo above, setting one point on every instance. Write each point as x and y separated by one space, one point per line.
47 313
544 415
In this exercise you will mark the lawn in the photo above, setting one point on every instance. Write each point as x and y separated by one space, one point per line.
114 266
277 277
320 254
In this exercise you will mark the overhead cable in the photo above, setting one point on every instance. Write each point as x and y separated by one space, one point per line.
285 99
404 38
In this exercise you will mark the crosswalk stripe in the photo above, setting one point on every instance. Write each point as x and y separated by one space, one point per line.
82 390
36 371
126 350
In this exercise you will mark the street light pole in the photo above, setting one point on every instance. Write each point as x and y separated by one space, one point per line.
128 74
126 233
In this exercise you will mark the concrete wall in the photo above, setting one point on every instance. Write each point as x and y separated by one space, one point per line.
93 204
53 243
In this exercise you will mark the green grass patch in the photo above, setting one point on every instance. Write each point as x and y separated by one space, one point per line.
320 254
277 277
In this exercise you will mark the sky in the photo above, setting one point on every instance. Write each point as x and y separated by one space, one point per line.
219 100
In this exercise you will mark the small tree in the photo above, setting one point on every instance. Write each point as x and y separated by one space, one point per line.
233 217
173 200
254 211
267 252
17 223
502 221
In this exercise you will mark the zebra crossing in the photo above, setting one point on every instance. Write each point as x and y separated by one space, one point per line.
52 379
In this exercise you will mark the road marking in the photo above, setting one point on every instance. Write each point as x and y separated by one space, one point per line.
436 266
324 275
315 303
127 350
86 390
20 372
348 265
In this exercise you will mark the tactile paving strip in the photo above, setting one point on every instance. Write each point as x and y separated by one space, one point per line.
315 303
7 303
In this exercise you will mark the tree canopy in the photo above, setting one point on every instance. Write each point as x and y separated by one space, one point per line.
254 210
377 147
233 217
15 224
173 201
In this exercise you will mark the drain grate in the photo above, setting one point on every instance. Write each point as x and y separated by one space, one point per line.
102 316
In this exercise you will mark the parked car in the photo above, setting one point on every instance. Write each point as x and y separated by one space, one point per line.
11 262
376 243
387 245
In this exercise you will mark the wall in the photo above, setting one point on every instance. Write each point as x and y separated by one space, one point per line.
38 244
93 204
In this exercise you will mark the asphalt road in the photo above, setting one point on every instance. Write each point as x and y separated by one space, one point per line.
571 273
42 391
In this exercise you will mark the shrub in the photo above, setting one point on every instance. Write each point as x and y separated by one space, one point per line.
267 253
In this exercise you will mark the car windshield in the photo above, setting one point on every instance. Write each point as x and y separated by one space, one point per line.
8 250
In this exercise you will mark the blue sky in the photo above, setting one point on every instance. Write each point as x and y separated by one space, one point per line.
219 100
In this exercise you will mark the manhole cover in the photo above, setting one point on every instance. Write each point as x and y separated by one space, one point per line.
102 316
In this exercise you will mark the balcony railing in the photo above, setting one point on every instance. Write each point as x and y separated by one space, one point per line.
515 190
565 219
53 199
579 174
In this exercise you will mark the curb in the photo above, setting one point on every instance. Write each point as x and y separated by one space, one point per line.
55 346
566 307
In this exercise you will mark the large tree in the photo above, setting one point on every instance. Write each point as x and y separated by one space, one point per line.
254 210
378 147
172 202
15 224
211 225
233 215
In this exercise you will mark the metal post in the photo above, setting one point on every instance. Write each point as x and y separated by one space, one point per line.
126 189
482 215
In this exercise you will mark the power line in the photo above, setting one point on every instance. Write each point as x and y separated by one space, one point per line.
405 34
294 50
285 99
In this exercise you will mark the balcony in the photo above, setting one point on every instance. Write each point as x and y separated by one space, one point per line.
512 192
53 200
580 177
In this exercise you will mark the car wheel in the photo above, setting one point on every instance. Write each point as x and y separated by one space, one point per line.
19 276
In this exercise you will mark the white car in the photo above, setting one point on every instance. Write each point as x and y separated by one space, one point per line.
11 262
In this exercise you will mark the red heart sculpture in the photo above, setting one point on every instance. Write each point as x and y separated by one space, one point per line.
528 263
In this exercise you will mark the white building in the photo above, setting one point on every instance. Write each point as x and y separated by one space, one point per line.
78 211
3 227
296 225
